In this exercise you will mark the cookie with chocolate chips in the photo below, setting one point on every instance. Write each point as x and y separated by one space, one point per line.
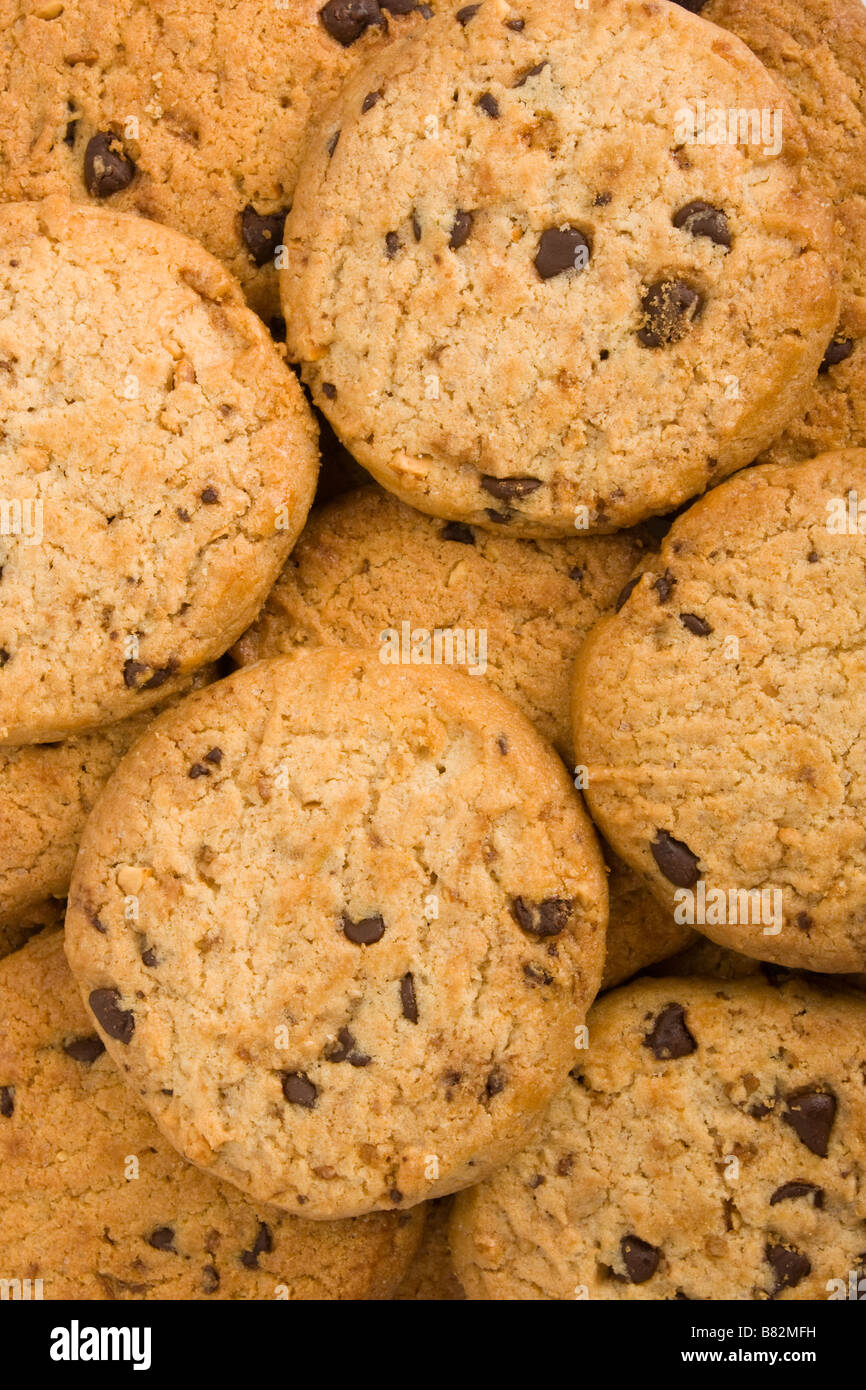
528 290
816 49
95 1204
690 1155
191 115
369 914
720 716
157 461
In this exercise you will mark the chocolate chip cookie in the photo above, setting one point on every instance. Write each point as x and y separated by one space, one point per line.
337 922
94 1204
817 51
157 461
191 114
721 715
709 1145
532 289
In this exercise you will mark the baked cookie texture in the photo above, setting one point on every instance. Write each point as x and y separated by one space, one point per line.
337 923
157 459
525 296
817 51
190 114
721 714
97 1205
47 791
430 1278
709 1145
367 564
45 916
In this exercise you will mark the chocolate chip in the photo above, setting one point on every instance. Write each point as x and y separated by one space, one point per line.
565 1165
530 72
118 1023
507 489
641 1259
364 933
395 1196
789 1266
131 672
803 922
664 586
214 755
209 495
669 308
460 230
182 513
408 999
798 1188
333 143
345 1050
561 249
162 1239
811 1114
262 1245
837 351
161 675
70 132
7 1101
392 245
84 1049
299 1089
329 390
198 770
346 20
468 12
502 744
626 592
813 557
699 626
107 166
547 918
93 919
536 975
149 958
210 1279
458 531
670 1038
496 1082
262 232
489 105
675 860
516 25
370 101
399 6
416 227
501 518
601 200
702 219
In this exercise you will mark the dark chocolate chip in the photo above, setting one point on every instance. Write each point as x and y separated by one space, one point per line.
669 308
798 1188
210 1279
641 1259
699 626
107 166
837 351
346 20
789 1266
7 1101
4 655
561 249
345 1050
333 143
329 390
811 1114
507 489
299 1089
209 495
601 200
198 770
395 1196
370 101
392 245
502 744
162 1239
664 586
458 531
131 672
460 230
536 974
489 105
702 219
118 1023
468 12
262 232
803 922
84 1049
364 933
149 958
516 25
408 999
537 1180
70 132
626 592
670 1038
161 675
675 860
530 72
496 1082
501 518
547 918
262 1245
214 755
398 6
416 227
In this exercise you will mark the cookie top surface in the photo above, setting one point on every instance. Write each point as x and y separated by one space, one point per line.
525 287
190 115
369 912
817 51
721 712
157 460
96 1204
691 1156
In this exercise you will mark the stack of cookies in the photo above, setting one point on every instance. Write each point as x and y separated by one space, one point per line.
432 596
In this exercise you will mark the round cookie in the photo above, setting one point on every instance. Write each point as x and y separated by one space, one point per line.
430 1277
337 922
721 714
157 461
817 51
96 1205
528 293
192 115
691 1155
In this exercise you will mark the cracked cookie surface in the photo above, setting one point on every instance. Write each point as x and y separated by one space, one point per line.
157 460
709 1145
369 913
96 1204
522 292
721 715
